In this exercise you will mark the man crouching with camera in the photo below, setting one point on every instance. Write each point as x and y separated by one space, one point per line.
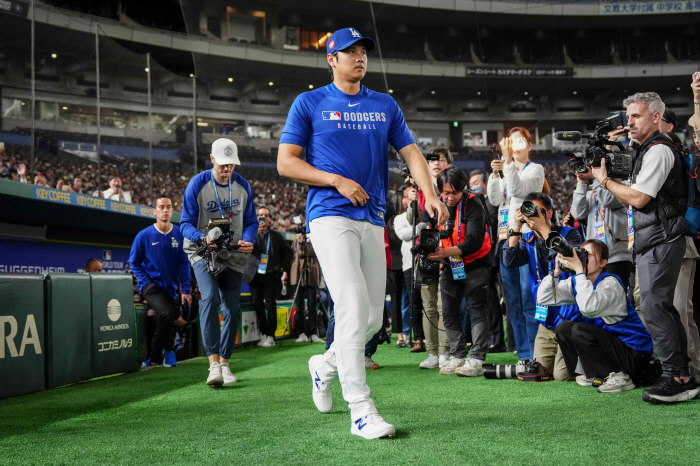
219 225
532 248
464 253
657 200
611 343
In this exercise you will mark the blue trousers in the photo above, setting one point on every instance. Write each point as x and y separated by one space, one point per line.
223 290
521 309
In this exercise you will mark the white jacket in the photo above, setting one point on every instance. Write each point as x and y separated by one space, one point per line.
519 185
404 231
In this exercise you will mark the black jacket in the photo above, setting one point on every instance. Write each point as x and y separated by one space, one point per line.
663 218
518 256
280 254
474 225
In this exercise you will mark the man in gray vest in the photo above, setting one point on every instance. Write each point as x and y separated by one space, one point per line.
657 200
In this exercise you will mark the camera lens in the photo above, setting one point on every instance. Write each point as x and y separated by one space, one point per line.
529 209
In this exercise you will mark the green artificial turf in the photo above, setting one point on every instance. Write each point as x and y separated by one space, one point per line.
169 416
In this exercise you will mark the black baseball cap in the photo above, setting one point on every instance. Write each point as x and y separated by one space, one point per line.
671 118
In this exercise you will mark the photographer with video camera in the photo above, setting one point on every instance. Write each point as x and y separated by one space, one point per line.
464 253
439 159
305 277
610 343
532 249
274 256
219 225
520 178
658 202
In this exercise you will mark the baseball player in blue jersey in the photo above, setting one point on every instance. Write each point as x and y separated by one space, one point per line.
215 194
345 129
159 263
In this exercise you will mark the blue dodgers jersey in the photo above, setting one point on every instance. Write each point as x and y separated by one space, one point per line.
348 135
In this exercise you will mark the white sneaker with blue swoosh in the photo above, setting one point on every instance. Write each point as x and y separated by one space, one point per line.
372 426
321 391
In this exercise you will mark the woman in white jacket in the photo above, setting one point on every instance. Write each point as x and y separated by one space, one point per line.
520 178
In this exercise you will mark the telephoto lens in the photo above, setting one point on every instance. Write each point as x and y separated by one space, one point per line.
500 371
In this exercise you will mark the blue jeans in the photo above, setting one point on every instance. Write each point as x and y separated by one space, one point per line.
223 290
521 309
402 290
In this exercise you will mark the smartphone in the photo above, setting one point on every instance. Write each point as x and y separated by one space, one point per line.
519 144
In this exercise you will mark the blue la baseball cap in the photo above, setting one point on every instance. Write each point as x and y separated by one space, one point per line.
344 38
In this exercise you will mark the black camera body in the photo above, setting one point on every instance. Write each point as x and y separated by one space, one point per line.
558 244
428 241
219 234
617 165
529 209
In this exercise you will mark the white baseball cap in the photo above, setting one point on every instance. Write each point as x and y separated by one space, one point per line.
225 152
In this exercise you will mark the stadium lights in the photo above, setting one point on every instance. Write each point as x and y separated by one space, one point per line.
391 91
24 103
311 86
65 108
575 92
525 92
191 75
146 70
230 80
478 93
678 88
432 92
53 55
271 83
202 123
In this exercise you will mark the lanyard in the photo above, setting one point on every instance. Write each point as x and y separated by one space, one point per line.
459 220
216 191
505 189
267 252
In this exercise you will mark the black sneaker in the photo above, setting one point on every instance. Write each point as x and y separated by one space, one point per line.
691 388
667 390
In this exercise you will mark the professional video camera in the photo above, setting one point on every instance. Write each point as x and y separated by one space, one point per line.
299 227
558 244
618 165
428 241
219 234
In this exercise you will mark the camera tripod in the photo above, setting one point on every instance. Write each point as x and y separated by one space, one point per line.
304 277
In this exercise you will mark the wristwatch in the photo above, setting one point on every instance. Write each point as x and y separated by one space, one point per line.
512 232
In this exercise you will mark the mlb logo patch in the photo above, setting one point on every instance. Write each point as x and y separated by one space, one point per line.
331 116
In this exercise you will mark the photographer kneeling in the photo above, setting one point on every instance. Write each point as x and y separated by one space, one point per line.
611 343
530 248
464 255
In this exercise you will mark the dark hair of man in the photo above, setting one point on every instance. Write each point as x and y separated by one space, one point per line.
161 196
444 151
91 260
454 177
599 247
543 198
479 171
264 207
330 68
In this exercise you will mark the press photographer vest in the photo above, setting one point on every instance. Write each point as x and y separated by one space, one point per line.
630 330
663 218
459 235
555 314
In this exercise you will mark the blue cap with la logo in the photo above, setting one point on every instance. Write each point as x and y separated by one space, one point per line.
344 38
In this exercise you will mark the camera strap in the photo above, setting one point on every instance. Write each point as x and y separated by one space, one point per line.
230 197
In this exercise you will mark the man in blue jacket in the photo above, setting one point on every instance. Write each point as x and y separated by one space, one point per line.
219 193
529 248
159 263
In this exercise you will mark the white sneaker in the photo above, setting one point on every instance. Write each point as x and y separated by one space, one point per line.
263 341
442 360
215 378
227 374
372 426
583 381
369 364
270 341
302 338
320 391
430 363
315 339
451 365
471 368
616 382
